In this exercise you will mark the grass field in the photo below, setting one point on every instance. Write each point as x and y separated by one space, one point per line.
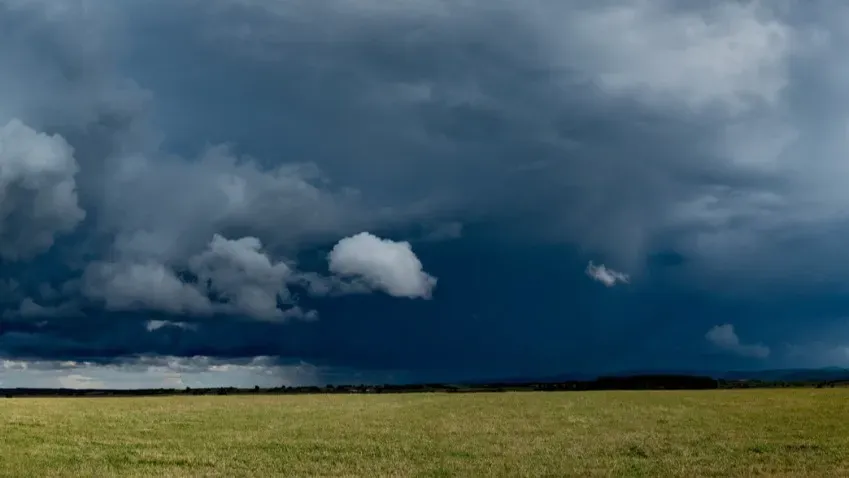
802 432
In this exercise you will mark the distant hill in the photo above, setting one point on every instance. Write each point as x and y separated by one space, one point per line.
788 375
770 375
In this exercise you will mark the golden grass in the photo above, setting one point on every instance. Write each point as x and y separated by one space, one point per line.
802 432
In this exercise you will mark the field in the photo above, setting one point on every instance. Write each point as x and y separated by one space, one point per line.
801 432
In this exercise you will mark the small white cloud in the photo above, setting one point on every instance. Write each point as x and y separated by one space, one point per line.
382 264
725 338
608 277
158 324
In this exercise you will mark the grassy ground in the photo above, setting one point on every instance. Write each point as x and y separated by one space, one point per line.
709 433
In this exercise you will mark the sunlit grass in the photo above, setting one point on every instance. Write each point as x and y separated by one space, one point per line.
707 433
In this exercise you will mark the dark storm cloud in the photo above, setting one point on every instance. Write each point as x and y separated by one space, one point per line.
685 137
195 162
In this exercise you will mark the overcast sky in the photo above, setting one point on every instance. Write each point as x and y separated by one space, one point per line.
217 192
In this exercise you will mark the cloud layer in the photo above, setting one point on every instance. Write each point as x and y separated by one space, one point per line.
234 165
157 372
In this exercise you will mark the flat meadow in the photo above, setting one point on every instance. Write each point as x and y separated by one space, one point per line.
782 432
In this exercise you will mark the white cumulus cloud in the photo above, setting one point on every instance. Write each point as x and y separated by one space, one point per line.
608 277
382 264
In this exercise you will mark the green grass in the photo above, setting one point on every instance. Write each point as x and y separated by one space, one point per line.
724 433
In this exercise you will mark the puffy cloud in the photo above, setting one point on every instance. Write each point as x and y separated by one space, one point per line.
133 286
382 264
240 274
38 197
608 277
238 277
724 337
230 277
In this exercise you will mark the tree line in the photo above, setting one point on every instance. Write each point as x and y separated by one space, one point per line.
634 382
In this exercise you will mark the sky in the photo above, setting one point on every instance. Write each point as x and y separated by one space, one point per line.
282 192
